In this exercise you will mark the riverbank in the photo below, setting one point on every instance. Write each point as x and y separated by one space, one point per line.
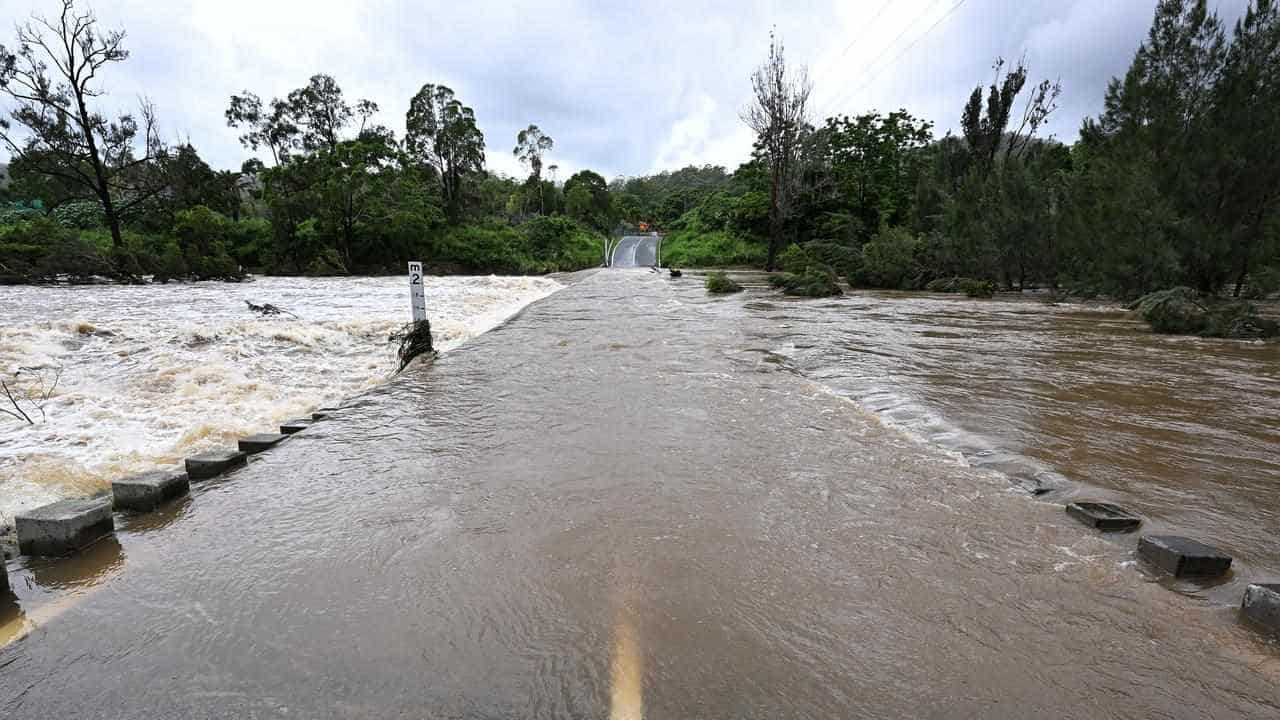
630 494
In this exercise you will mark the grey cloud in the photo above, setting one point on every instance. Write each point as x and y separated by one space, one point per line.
610 81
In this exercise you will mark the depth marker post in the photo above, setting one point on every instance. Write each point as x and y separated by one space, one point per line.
417 299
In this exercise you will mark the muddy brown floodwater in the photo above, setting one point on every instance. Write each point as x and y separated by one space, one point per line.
635 500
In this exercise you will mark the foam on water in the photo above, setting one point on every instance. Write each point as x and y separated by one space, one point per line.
150 374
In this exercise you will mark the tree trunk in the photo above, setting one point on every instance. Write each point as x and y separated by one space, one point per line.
775 225
99 172
1244 273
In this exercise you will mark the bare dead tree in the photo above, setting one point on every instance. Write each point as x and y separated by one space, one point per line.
52 76
779 116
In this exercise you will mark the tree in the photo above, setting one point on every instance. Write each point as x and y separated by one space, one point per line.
1246 117
586 198
52 77
876 162
442 133
531 145
779 117
987 133
320 113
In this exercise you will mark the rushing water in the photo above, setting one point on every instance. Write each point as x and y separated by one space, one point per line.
638 500
1082 400
152 373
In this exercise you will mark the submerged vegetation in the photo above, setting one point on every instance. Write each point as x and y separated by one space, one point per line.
811 282
720 283
1183 310
1167 187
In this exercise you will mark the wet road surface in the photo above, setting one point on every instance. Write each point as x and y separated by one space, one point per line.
618 505
635 251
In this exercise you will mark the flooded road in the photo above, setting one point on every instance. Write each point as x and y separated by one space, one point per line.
635 500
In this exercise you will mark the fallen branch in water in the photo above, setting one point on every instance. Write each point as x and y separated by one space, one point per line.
36 401
415 340
268 309
17 411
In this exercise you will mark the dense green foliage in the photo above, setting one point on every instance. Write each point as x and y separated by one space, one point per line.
1171 185
720 283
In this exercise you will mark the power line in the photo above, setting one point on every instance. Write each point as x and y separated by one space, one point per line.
871 78
860 35
911 23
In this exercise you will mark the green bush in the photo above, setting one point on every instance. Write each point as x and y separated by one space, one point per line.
689 248
15 213
41 249
977 288
792 259
204 237
81 214
944 285
845 260
720 283
1177 310
543 244
889 260
813 282
1181 310
558 243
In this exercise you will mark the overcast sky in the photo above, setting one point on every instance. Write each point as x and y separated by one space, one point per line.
623 87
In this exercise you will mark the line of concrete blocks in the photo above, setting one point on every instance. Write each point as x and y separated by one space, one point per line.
1183 557
66 526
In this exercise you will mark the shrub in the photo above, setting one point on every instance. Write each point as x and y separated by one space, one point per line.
889 260
720 283
813 282
689 248
81 214
15 213
1264 283
977 288
204 237
793 259
42 249
543 244
1181 310
1176 310
556 243
845 260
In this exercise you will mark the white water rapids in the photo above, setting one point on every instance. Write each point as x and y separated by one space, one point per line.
150 374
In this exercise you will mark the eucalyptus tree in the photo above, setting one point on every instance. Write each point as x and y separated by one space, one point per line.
441 133
52 78
531 145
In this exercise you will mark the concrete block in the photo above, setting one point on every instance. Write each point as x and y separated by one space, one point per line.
213 463
1261 605
261 441
4 576
323 413
295 425
1183 557
150 490
1104 516
65 526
